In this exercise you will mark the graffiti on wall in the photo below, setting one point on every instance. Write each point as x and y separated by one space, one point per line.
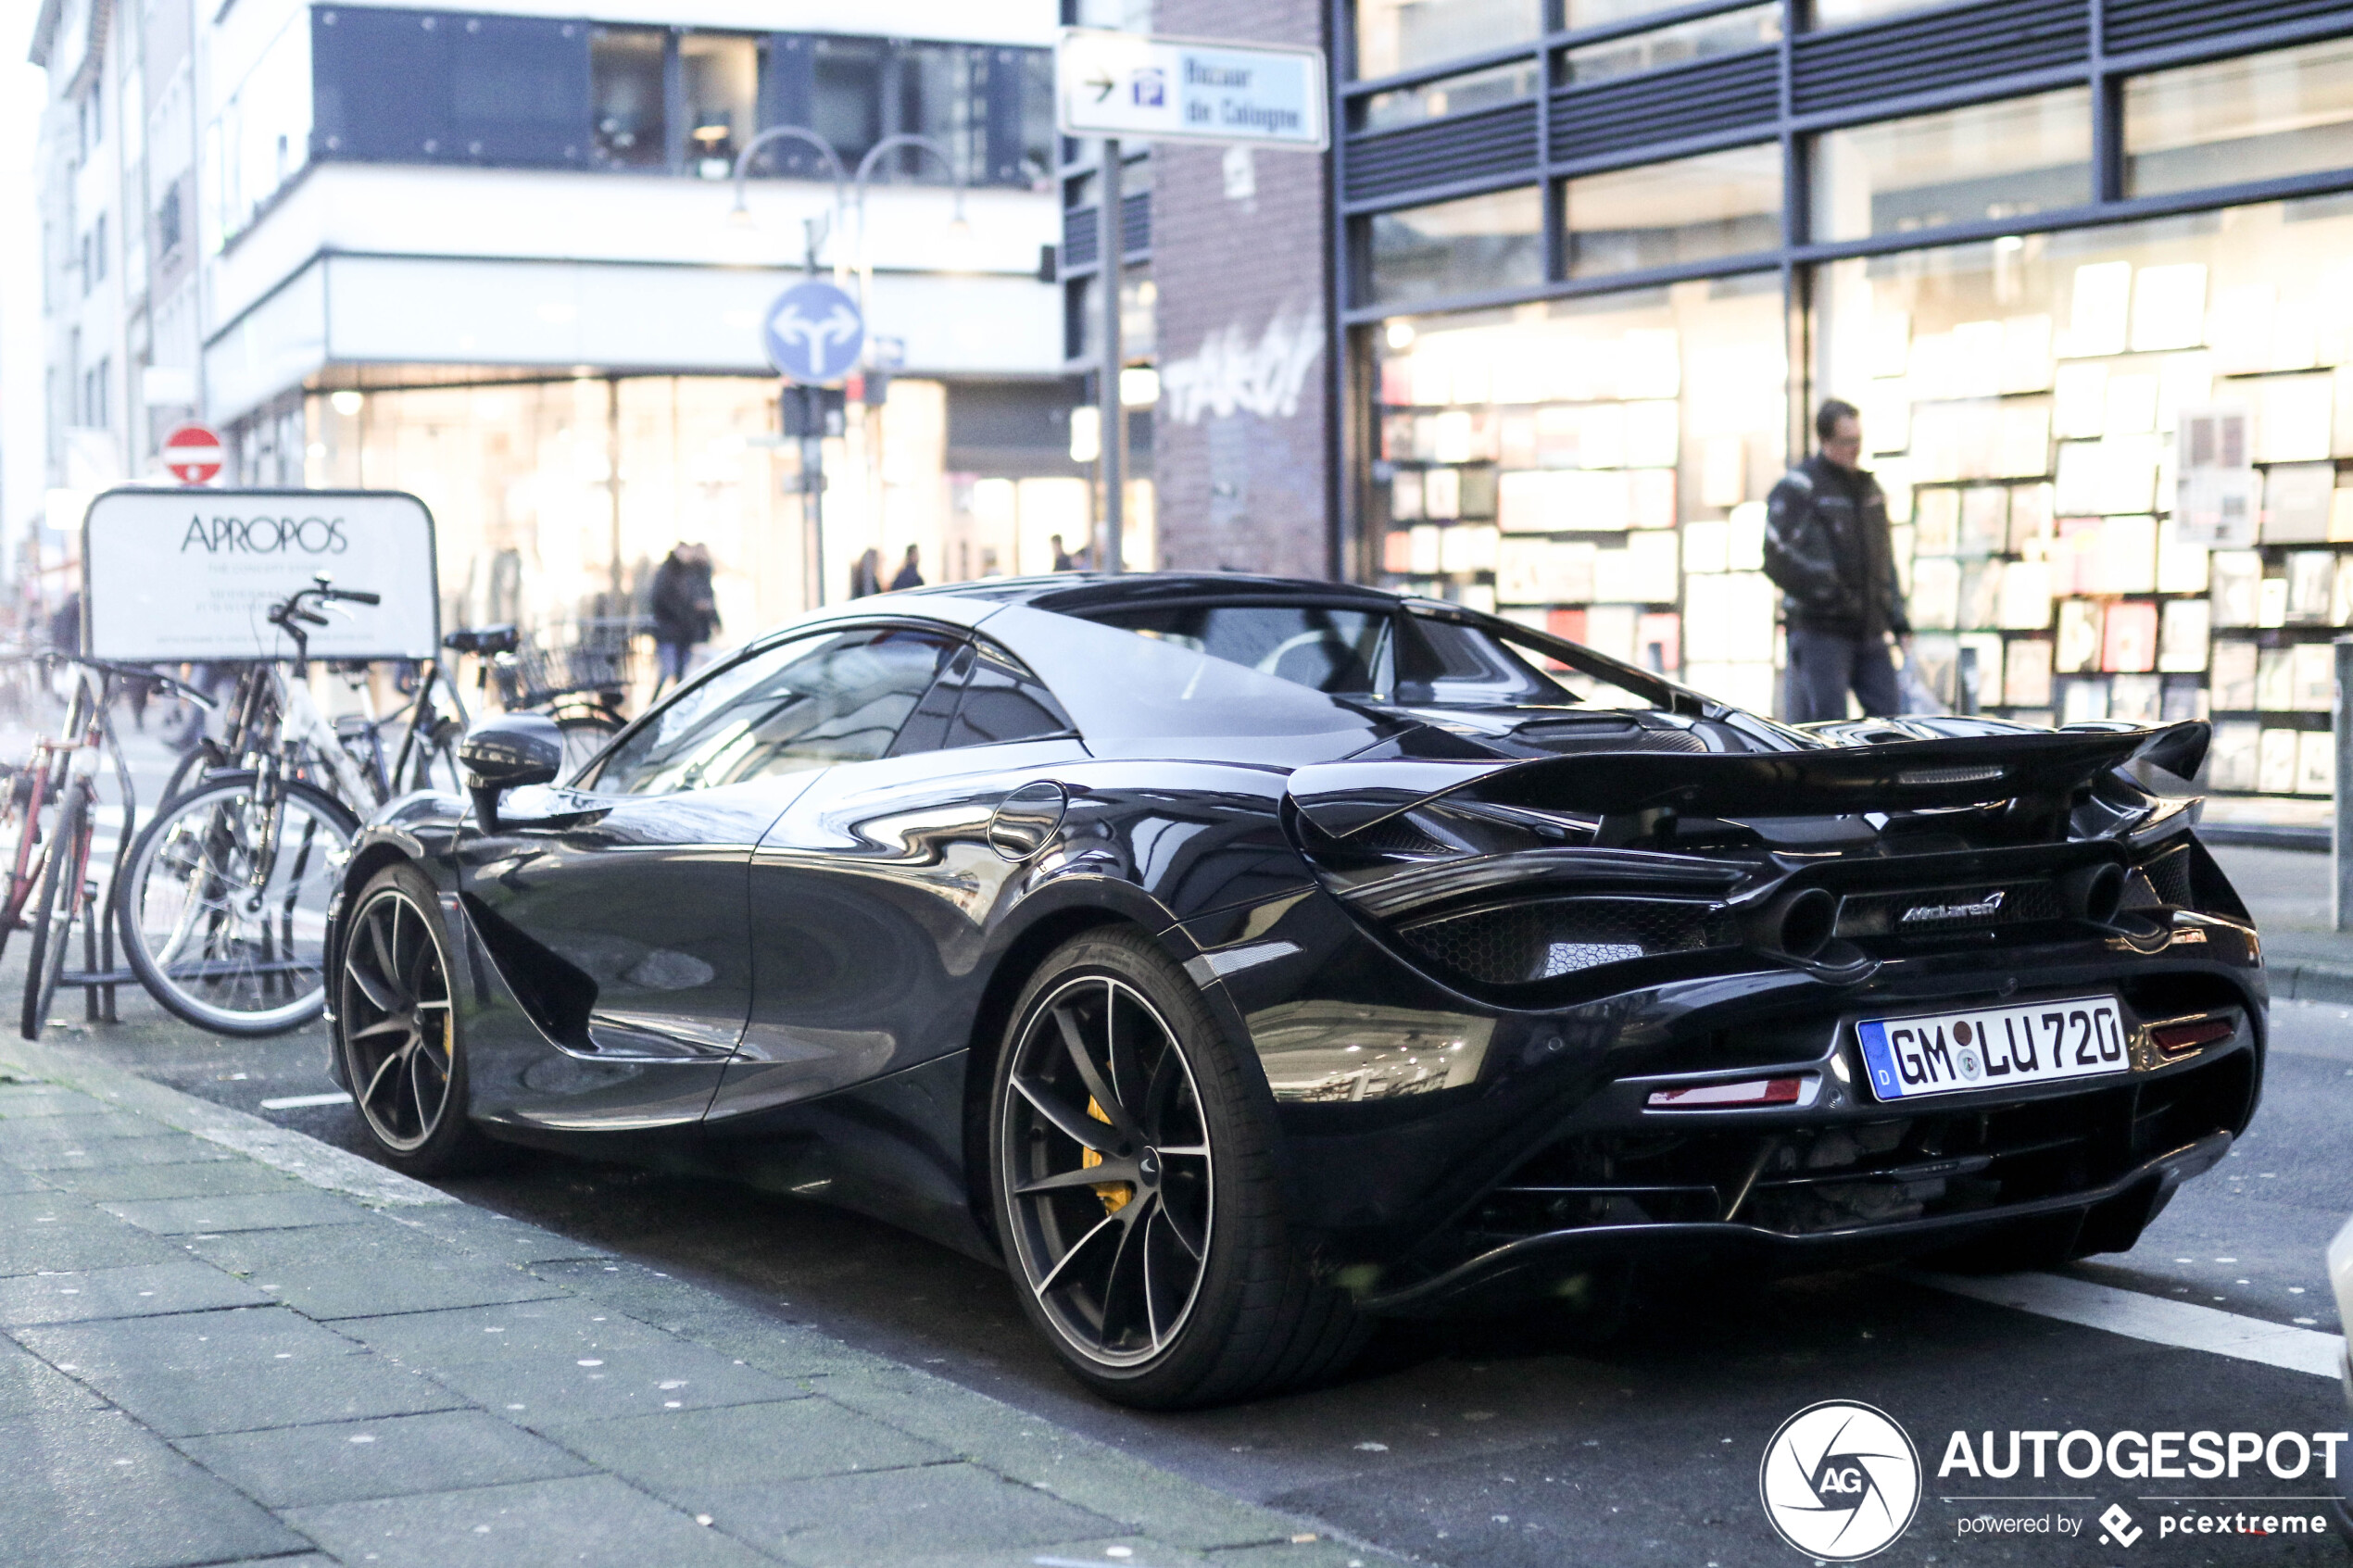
1230 374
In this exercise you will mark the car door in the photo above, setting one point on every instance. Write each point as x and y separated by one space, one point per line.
871 891
617 909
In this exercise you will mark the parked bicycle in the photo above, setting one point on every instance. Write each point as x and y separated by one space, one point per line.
53 798
578 686
223 897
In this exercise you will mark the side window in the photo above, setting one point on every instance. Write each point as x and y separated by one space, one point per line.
926 728
810 703
1003 701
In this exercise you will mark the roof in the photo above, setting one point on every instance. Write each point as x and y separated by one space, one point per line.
1070 591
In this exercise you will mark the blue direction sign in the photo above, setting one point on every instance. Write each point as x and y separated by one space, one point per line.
814 332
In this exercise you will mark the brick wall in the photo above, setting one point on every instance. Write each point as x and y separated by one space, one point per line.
1240 456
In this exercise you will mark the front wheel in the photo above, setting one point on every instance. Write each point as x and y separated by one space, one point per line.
1135 1192
396 1032
223 904
53 916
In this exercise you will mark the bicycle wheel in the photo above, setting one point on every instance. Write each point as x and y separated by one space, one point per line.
53 914
584 736
223 920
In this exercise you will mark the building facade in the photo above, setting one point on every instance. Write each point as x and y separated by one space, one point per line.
1600 259
493 255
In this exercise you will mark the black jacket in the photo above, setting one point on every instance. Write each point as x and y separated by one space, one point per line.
682 603
1827 549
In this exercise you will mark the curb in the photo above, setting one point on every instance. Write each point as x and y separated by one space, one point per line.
298 1154
2310 982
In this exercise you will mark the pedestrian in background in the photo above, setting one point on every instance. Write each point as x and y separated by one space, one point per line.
685 613
908 576
1063 562
1827 549
865 578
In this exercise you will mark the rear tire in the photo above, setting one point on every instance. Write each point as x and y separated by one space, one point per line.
53 914
1154 1254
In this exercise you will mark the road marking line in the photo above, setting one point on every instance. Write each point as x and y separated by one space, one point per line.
2127 1313
302 1103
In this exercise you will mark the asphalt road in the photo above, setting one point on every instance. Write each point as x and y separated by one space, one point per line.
1516 1444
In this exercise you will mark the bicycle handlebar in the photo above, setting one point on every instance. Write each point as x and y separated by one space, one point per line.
112 667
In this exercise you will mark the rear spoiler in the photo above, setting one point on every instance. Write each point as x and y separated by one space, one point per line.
1345 797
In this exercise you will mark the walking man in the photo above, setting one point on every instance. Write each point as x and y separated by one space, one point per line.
1827 549
685 613
908 576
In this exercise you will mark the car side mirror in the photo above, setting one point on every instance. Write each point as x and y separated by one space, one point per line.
509 752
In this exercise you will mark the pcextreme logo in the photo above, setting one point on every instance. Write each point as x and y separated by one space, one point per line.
1840 1481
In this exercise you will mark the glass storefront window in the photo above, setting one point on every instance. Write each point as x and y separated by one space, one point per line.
2022 401
1667 214
1595 468
721 78
1986 161
1473 245
2259 118
847 106
1679 44
625 72
1452 94
1398 35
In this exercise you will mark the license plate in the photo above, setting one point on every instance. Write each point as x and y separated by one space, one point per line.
1992 1048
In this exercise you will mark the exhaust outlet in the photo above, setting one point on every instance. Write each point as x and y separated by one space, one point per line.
2094 893
1800 923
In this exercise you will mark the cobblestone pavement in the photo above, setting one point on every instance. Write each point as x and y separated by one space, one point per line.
226 1342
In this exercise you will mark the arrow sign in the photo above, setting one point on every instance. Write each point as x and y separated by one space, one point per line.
814 332
1142 88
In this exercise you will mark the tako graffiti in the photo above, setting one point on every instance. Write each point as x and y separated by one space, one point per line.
1229 374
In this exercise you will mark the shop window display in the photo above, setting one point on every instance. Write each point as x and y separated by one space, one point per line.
1595 468
2050 415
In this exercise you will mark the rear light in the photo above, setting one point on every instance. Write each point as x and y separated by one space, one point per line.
1752 1091
2175 1038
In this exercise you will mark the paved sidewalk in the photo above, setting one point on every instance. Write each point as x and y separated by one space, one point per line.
226 1342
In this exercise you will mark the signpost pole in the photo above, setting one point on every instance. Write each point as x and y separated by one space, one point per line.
2341 850
813 486
1110 247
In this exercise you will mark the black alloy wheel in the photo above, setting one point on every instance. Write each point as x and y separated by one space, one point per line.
396 1030
1109 1174
1136 1191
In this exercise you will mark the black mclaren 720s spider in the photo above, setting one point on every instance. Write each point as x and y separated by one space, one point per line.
1241 961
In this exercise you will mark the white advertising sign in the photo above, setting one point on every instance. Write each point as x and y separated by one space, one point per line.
171 576
1130 85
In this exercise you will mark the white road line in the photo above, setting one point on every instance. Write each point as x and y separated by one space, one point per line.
2155 1319
303 1102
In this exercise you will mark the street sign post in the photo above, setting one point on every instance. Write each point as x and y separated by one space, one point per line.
193 453
814 335
1141 88
1130 85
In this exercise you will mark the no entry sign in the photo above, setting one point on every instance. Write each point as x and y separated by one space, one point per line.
193 453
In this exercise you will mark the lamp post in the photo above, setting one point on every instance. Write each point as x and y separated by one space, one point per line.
859 182
812 423
742 214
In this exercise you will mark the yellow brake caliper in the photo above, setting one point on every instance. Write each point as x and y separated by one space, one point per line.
1114 1194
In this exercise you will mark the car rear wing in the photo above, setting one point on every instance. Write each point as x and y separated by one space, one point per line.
1346 797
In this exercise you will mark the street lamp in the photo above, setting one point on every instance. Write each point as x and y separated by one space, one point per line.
956 223
740 214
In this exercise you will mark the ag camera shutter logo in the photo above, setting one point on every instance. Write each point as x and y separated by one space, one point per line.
1840 1481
